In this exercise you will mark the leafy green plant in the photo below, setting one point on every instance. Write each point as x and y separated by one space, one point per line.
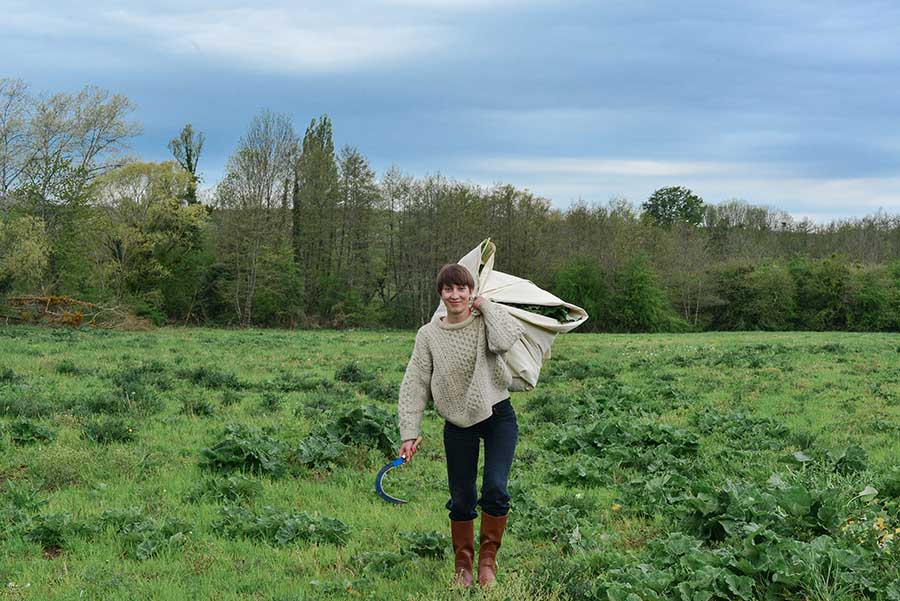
345 428
849 459
143 536
425 544
271 401
543 522
245 448
742 430
211 377
237 488
25 431
18 501
380 391
8 376
580 471
149 539
108 429
67 367
287 382
128 397
151 374
230 397
199 406
281 527
24 401
388 564
52 531
353 372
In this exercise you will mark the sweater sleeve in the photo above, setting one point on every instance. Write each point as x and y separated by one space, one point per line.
415 389
502 330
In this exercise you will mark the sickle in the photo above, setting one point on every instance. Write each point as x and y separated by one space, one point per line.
396 462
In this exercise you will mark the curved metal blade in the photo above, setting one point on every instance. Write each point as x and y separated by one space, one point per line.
378 488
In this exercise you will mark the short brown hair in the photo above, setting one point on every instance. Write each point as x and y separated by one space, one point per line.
454 273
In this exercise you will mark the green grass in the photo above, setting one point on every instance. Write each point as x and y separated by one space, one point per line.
837 389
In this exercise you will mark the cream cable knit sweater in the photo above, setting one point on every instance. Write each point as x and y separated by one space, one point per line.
457 367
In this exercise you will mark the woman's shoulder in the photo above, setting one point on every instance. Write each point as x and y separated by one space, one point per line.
425 331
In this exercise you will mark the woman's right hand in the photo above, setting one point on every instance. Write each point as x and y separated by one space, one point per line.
408 448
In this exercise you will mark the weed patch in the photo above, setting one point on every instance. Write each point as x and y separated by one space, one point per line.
281 527
271 402
8 376
233 489
67 367
198 406
24 431
368 426
107 430
245 448
210 377
431 544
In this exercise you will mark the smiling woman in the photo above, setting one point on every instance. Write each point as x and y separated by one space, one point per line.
456 364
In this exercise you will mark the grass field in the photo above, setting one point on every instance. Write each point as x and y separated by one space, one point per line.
208 464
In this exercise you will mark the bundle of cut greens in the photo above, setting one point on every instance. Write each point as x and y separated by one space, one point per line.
559 313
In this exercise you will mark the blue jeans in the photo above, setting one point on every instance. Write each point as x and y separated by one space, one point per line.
500 432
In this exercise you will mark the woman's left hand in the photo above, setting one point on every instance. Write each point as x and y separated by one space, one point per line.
477 302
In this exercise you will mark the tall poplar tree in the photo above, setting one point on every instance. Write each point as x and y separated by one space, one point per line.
315 199
186 149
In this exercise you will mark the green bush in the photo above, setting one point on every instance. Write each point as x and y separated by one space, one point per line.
581 281
822 293
871 302
638 302
760 297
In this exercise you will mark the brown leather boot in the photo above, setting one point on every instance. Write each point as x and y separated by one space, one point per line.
463 535
489 541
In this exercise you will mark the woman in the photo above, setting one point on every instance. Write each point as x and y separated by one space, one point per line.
455 363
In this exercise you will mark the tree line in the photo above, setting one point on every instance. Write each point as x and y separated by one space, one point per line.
300 234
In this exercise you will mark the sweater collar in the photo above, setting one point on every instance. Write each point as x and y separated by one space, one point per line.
456 326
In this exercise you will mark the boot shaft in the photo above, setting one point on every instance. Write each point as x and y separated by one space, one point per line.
463 537
490 538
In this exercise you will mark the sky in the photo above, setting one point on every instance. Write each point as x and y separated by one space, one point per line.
793 105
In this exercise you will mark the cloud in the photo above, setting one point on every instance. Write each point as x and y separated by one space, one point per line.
566 179
566 166
285 40
453 5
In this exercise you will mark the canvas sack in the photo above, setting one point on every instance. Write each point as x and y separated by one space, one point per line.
528 354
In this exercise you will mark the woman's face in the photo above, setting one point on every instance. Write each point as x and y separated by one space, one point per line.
456 298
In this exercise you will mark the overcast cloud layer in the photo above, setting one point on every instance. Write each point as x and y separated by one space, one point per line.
793 105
